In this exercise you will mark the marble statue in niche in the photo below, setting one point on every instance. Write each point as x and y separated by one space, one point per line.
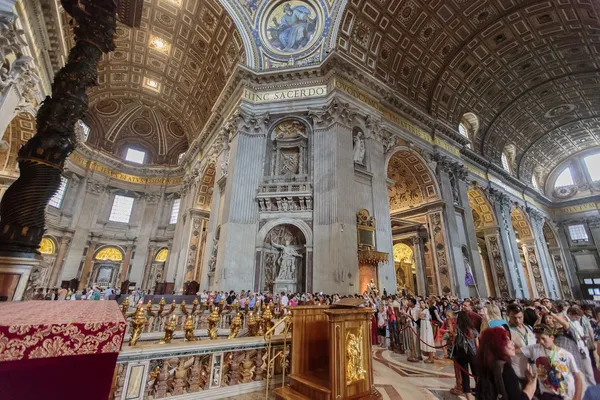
283 259
212 262
359 148
293 25
287 260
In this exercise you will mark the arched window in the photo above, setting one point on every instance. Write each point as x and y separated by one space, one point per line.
505 163
463 129
469 126
135 156
592 163
564 179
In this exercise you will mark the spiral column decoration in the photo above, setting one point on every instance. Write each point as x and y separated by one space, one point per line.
42 158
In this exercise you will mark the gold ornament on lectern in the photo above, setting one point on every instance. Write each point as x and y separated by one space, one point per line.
137 325
169 330
188 329
355 370
213 320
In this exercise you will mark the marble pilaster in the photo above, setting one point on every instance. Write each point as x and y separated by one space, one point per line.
508 242
60 259
417 247
87 266
548 271
381 208
569 262
334 215
125 266
439 248
244 165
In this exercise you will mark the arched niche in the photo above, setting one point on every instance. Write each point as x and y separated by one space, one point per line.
107 264
288 152
157 268
277 243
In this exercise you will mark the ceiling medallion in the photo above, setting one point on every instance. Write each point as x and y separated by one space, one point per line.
159 44
565 192
289 27
559 111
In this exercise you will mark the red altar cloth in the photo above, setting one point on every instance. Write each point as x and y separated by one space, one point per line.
59 349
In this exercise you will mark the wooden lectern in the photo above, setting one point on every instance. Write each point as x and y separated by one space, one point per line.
331 354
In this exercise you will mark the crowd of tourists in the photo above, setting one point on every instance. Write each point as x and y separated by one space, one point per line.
511 349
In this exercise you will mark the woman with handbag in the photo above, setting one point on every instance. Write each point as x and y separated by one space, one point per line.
464 350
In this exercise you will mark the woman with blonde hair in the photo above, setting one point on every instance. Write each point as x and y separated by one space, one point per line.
495 319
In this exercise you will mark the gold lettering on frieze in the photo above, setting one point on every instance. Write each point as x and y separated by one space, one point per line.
476 171
103 169
285 94
576 209
447 146
388 114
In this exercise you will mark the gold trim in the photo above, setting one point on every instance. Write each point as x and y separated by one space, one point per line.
372 257
103 169
355 367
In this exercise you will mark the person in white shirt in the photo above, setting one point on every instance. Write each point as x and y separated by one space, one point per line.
557 372
284 299
522 336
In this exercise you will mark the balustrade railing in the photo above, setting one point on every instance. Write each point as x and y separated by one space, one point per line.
203 369
149 322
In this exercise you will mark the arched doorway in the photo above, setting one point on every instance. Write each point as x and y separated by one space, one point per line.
406 273
283 260
157 269
556 257
418 220
107 263
486 231
527 253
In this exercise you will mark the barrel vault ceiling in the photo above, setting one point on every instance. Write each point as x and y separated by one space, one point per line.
528 69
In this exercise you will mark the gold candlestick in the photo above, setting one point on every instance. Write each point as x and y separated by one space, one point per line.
169 330
188 328
137 325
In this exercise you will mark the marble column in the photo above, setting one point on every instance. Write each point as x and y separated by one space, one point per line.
477 268
60 260
87 266
334 216
151 215
497 259
417 247
532 261
508 245
569 262
450 195
548 272
125 266
381 207
439 248
245 153
90 199
201 246
9 100
147 267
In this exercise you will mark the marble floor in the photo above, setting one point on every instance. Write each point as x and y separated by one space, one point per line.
398 379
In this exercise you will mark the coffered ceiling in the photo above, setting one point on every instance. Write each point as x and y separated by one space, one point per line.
528 69
170 70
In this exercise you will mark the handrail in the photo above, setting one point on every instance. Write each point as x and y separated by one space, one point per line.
287 319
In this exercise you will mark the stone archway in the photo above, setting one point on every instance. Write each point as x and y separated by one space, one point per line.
486 231
417 215
527 252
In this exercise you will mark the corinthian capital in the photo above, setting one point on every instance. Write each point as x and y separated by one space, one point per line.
497 197
335 112
536 217
249 123
95 187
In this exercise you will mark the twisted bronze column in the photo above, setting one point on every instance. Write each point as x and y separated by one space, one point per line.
41 159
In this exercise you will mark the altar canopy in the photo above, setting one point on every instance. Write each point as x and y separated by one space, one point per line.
64 347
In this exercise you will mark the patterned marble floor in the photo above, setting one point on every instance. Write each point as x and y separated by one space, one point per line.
398 379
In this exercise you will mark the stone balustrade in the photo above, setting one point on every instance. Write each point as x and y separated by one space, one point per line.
202 369
285 197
